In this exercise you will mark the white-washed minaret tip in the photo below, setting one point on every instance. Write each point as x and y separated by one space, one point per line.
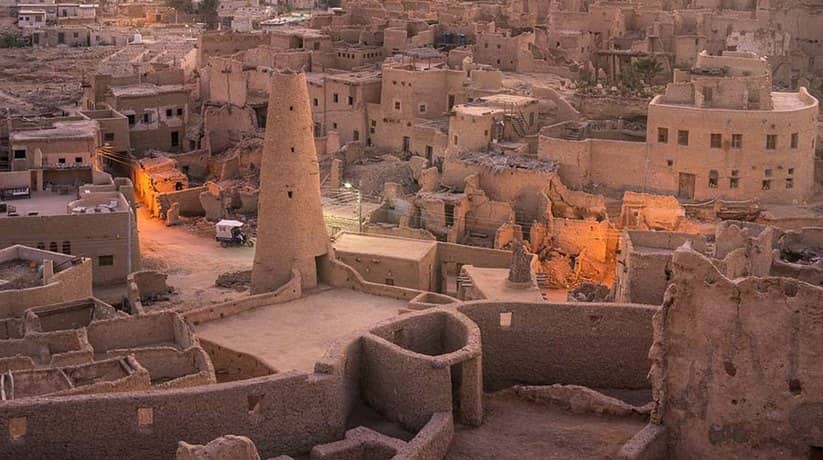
291 233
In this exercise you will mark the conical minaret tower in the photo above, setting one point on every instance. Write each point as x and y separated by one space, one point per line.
290 228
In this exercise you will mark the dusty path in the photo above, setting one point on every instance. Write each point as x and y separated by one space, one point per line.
191 260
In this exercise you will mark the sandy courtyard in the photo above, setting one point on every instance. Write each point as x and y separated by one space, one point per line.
294 335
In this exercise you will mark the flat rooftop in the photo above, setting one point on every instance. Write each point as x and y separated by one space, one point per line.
85 129
396 248
19 274
49 203
508 99
515 428
43 203
492 283
294 335
144 89
476 110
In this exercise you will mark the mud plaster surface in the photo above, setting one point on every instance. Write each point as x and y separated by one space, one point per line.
517 429
294 335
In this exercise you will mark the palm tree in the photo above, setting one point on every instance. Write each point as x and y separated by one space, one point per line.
648 68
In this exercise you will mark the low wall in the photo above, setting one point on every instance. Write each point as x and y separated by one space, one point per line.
189 200
593 345
231 365
289 291
337 274
287 413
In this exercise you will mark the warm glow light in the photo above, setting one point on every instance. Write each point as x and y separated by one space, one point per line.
347 185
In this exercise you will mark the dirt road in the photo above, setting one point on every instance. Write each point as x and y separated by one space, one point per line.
191 260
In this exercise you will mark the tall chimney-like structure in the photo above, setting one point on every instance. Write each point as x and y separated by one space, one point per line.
291 232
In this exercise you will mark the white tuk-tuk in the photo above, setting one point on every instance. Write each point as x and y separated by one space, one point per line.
230 233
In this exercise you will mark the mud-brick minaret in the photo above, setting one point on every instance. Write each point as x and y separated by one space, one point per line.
290 228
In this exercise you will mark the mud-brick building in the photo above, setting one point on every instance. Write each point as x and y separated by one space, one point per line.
157 115
718 132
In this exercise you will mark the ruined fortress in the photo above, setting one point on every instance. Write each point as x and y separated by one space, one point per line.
417 230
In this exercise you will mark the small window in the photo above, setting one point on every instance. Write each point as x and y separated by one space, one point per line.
737 141
179 112
145 416
355 135
61 161
78 159
713 178
351 100
506 319
396 105
708 95
131 119
682 137
169 113
791 171
105 261
455 140
734 182
108 137
20 154
663 135
17 428
735 172
315 102
716 140
66 247
175 138
146 117
421 108
766 184
771 141
767 172
335 97
53 246
795 140
334 125
789 182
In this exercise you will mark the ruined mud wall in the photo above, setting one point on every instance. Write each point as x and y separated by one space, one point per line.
413 365
189 200
594 345
287 413
747 381
70 284
230 365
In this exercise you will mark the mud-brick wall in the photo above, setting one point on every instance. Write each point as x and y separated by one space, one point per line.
746 381
231 365
283 414
595 345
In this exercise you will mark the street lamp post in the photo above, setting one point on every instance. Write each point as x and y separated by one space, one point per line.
359 206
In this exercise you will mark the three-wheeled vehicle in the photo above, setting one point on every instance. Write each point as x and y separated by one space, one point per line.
231 233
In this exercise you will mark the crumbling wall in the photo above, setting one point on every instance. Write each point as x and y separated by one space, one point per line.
747 380
224 125
532 342
287 413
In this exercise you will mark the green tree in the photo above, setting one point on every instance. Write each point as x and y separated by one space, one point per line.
647 68
208 12
182 6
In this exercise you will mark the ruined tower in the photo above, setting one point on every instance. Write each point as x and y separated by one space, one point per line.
290 228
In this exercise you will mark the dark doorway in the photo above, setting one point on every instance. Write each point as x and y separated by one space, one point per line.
685 186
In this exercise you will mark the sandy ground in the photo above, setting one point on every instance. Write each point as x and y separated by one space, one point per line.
294 335
40 80
517 429
193 262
